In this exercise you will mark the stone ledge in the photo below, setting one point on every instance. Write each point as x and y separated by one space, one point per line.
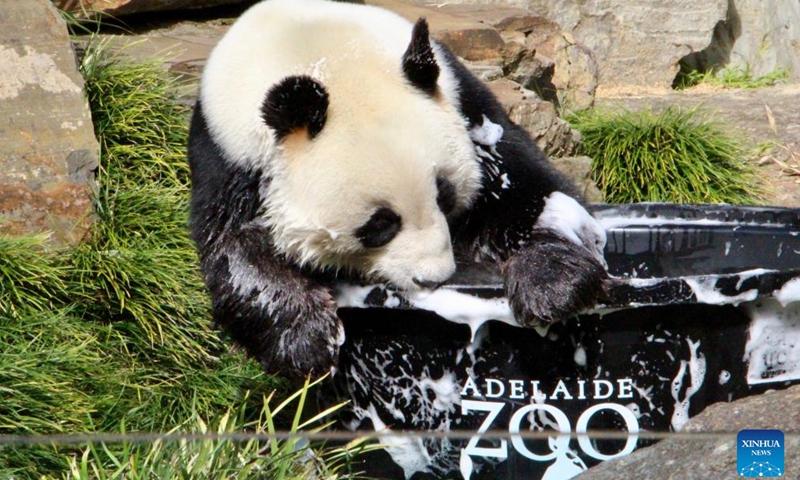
49 151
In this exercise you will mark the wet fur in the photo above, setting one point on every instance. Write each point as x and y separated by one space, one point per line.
281 310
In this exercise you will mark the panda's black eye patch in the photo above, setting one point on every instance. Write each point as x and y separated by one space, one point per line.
380 229
446 195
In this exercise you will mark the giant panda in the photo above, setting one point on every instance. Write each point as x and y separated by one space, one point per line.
334 140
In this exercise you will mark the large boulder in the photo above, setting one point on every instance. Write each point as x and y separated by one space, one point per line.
49 153
711 457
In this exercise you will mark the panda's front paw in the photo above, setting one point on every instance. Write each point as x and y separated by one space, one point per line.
307 344
552 279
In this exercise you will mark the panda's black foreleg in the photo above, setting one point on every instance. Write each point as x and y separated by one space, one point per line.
282 317
552 279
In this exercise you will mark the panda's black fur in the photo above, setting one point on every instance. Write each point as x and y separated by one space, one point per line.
284 314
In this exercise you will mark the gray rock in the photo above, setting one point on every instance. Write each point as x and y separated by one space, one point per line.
126 7
575 72
538 117
761 39
530 69
470 39
486 71
641 43
183 48
49 152
578 170
537 54
635 42
711 458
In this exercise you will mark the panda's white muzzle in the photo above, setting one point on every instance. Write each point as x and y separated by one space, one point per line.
418 258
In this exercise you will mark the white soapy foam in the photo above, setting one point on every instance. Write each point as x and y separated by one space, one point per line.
446 390
348 295
748 274
568 463
789 292
409 453
646 394
580 356
704 288
448 303
643 282
506 182
724 377
435 401
565 215
697 373
613 221
487 134
635 410
463 308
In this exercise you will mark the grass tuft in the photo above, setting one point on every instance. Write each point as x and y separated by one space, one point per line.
220 458
738 76
28 276
668 156
140 266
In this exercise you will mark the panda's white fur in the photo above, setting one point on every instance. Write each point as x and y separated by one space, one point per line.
321 191
316 118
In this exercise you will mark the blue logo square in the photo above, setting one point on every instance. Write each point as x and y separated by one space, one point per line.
759 453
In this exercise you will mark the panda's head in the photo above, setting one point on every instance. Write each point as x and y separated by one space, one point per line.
367 157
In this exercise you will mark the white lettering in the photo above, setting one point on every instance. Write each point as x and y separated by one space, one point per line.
470 385
761 443
581 389
494 409
561 442
491 383
516 389
598 384
561 388
625 388
630 422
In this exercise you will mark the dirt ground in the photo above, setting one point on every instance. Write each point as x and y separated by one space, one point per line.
769 114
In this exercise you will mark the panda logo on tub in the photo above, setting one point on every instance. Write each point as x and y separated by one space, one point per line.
334 139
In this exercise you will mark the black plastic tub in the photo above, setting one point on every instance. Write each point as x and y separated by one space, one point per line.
702 310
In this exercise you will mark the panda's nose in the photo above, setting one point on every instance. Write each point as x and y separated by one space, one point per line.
431 285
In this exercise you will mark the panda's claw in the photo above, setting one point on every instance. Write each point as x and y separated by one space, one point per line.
307 346
552 279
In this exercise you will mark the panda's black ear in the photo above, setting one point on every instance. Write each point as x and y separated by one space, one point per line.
419 63
295 103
